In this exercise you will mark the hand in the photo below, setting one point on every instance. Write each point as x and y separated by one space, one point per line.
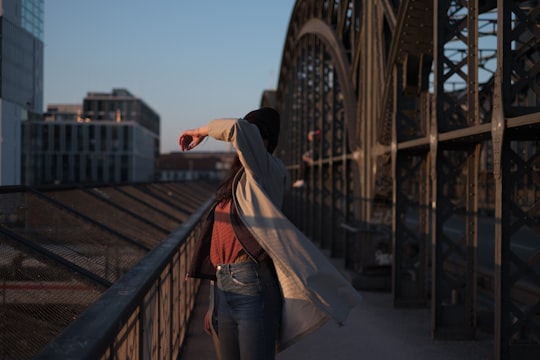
190 139
208 323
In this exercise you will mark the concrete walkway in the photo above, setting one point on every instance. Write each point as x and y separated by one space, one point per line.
198 344
374 330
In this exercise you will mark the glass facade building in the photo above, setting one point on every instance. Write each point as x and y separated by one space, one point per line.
21 84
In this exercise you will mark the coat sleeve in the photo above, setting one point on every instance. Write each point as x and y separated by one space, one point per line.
258 163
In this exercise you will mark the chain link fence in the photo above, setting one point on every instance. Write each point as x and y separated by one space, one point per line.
62 247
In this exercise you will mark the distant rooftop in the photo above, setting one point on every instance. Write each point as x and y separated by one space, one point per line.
114 94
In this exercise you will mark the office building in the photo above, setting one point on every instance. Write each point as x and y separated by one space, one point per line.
104 140
120 105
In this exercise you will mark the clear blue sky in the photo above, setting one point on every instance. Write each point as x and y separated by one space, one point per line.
191 61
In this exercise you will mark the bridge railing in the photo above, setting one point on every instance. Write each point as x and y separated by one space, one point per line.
145 314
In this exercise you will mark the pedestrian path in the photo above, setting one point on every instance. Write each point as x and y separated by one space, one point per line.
199 344
375 330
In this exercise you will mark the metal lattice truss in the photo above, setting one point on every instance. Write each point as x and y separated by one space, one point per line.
429 113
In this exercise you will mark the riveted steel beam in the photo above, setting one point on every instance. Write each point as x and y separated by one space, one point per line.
420 135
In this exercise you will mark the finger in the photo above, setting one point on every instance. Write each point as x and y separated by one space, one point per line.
181 142
185 141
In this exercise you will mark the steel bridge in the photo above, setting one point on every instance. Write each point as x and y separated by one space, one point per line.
429 113
429 120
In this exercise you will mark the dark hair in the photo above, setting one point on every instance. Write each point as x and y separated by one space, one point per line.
268 123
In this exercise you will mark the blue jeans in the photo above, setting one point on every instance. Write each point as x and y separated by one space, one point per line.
248 310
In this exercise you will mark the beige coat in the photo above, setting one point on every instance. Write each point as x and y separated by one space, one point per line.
313 289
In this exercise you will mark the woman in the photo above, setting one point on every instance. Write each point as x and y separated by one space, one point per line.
272 285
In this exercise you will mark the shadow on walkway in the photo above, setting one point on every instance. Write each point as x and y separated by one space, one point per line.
374 330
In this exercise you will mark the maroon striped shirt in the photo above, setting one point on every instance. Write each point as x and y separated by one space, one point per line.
225 246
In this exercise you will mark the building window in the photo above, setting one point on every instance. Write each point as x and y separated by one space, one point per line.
111 164
92 137
66 173
89 165
45 137
77 168
115 143
69 138
80 138
124 168
127 136
103 138
56 137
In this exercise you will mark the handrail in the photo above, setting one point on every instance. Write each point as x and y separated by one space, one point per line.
145 313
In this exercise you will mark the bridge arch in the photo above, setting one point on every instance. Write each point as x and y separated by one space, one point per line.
316 93
342 67
330 80
418 136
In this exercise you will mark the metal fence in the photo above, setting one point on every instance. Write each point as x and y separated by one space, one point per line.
62 247
145 314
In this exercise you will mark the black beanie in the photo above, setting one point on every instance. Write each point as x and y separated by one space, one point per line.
268 122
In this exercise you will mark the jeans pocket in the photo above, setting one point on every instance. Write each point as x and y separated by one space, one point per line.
245 276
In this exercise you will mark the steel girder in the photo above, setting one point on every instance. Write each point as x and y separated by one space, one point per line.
515 132
454 187
430 119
